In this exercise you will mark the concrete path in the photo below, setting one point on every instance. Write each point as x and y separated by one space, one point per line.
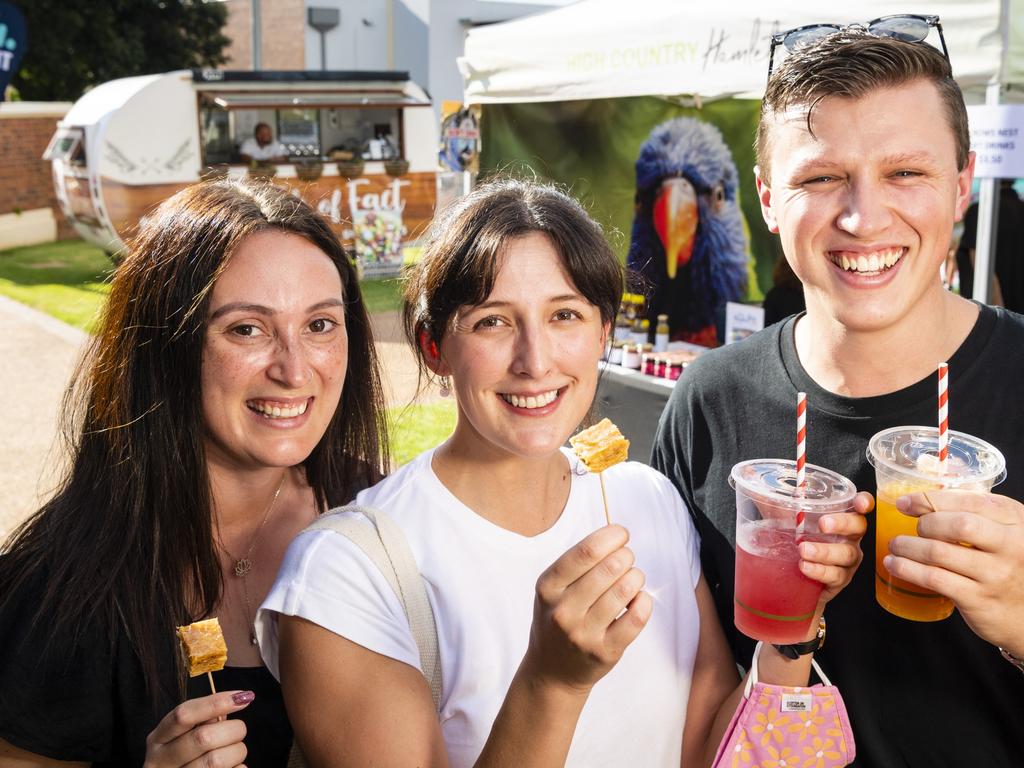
39 355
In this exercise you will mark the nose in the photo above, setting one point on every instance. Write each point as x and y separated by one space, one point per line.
289 366
532 355
865 210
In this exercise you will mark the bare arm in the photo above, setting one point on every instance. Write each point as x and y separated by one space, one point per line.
350 706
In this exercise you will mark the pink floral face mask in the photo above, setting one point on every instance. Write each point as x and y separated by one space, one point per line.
781 727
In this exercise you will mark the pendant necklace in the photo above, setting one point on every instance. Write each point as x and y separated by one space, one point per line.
243 565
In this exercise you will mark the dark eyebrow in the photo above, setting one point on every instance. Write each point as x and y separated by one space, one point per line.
259 309
553 300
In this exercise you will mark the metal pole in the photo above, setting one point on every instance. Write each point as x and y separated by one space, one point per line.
988 223
323 49
257 36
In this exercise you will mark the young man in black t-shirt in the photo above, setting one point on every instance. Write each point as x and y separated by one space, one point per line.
863 167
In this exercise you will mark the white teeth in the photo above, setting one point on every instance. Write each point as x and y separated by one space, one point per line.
531 401
278 411
874 262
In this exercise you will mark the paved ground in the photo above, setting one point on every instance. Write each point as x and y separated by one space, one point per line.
39 355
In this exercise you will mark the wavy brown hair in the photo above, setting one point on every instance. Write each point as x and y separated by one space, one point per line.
131 523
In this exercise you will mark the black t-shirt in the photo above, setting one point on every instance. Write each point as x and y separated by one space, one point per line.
924 695
83 698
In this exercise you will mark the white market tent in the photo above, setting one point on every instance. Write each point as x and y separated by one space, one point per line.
610 48
598 49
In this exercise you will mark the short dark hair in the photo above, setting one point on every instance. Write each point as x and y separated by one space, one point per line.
463 254
850 64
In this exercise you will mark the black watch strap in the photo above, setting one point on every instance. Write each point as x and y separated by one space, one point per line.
796 650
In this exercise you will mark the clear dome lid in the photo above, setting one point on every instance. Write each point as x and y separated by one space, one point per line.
774 480
914 452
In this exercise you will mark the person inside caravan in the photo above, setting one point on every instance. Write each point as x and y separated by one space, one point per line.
263 147
562 639
230 394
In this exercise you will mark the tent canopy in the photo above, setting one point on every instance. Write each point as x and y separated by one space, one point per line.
609 48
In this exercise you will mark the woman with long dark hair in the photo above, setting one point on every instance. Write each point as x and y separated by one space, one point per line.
211 421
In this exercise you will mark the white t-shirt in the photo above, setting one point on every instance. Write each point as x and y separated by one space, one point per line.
480 581
252 148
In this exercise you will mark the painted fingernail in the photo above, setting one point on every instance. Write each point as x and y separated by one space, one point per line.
242 697
903 503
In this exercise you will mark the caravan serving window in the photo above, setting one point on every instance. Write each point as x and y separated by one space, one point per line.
330 126
67 145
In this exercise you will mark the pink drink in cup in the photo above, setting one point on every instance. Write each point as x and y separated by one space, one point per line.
774 601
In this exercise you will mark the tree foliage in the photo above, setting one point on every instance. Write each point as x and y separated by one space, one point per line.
74 46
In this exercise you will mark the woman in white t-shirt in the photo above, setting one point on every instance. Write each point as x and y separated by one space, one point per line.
562 640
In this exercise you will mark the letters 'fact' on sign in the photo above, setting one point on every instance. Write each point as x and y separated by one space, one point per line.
13 43
997 138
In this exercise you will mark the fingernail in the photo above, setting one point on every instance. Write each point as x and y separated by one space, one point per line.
808 550
887 562
903 503
242 697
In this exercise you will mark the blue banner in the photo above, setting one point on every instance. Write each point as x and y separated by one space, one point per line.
13 43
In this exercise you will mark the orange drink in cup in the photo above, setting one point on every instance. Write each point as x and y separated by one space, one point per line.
906 460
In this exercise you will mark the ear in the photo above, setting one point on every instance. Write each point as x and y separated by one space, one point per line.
606 330
764 196
963 187
431 352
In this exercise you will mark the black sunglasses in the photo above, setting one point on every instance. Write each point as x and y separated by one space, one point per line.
909 27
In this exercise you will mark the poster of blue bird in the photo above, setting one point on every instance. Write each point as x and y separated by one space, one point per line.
687 237
672 183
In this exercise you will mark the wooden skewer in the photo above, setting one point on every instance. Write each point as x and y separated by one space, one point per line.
209 676
604 498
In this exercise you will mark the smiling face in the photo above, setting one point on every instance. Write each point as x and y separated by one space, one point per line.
275 353
524 362
865 205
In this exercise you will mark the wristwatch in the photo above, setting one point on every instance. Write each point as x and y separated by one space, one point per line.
1017 662
796 650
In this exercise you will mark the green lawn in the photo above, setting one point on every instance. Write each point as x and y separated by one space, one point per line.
68 280
417 427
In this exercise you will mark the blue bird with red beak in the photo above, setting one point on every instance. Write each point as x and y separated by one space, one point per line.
688 240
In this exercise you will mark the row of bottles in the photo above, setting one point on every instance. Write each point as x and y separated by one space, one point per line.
632 327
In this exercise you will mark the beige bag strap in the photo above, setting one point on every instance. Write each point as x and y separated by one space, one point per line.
386 546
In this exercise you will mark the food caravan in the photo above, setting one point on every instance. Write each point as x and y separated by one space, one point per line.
361 147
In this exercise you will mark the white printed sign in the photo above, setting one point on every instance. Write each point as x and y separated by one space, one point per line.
997 138
741 320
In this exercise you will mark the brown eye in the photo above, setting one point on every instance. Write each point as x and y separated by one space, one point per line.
322 325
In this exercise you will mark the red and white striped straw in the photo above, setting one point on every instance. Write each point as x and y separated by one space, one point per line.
943 415
801 438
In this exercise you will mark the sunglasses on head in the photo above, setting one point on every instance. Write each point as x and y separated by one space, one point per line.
909 28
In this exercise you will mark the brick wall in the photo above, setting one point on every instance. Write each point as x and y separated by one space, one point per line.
25 179
283 25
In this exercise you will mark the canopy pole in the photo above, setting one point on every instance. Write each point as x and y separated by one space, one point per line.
988 223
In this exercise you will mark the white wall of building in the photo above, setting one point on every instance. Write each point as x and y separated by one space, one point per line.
422 37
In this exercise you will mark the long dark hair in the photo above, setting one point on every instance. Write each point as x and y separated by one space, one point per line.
131 524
